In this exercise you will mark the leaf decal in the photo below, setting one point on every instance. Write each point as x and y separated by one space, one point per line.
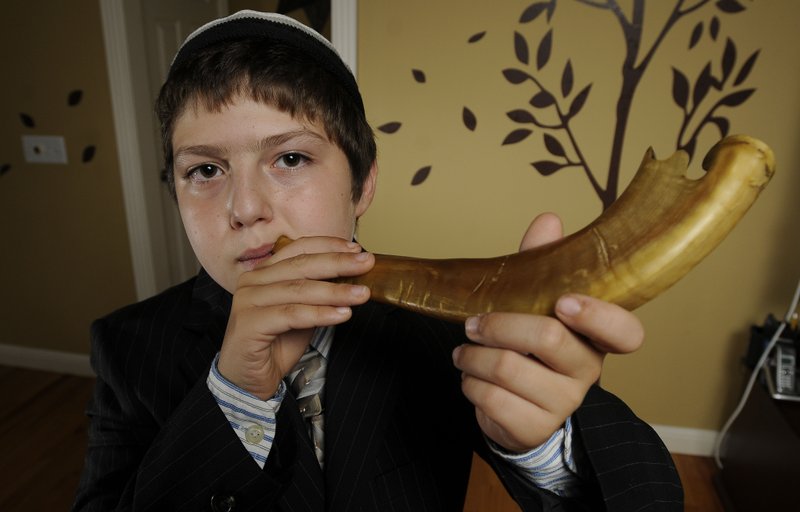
680 88
567 79
74 97
578 102
419 75
697 33
521 116
517 136
730 6
728 59
553 145
713 28
470 121
515 76
521 48
547 167
723 124
747 67
4 169
532 12
701 88
88 154
27 120
737 98
542 99
476 37
545 47
421 175
390 127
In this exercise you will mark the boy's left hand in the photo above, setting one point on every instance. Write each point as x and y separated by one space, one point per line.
526 374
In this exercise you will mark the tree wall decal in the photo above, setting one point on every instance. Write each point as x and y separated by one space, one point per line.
690 98
564 100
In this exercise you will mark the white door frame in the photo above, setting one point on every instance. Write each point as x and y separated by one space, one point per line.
138 151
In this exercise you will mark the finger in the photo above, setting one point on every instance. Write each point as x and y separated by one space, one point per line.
302 291
509 419
545 228
313 245
310 266
272 321
544 338
610 328
522 376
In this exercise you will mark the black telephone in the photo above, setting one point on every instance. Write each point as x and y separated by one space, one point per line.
785 369
781 373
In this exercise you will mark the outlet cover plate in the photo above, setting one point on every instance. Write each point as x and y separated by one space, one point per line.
44 149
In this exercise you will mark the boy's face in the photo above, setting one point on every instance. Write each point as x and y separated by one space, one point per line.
250 173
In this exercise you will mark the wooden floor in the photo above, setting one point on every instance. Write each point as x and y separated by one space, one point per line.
43 438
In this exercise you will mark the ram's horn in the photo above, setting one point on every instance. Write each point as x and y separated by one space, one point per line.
662 225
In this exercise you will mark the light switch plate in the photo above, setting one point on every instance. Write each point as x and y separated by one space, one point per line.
44 149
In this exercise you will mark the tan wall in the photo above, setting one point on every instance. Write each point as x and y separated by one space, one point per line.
65 257
480 195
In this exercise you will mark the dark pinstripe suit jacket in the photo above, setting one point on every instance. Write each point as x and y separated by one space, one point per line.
399 434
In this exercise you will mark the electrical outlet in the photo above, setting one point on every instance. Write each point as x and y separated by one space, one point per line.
44 149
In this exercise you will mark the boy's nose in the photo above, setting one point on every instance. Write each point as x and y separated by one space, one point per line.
247 203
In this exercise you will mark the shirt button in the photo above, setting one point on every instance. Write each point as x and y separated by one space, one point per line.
223 503
254 434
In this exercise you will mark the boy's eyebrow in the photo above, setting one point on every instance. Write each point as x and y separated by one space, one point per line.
282 138
266 142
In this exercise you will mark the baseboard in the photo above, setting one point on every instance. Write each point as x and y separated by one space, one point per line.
688 441
47 360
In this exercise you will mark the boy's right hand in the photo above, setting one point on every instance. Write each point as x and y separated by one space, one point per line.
277 306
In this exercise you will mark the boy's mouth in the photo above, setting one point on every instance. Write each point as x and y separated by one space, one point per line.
252 257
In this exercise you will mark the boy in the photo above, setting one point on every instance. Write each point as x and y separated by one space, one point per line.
200 401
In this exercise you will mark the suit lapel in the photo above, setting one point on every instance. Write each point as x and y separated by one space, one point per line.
359 396
205 325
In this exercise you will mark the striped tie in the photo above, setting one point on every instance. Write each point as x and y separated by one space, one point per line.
307 379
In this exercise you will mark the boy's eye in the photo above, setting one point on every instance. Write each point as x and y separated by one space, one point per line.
203 172
291 161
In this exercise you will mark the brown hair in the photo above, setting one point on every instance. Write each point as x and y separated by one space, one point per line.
274 73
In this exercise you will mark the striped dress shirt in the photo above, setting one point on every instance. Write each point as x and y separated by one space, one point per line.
550 466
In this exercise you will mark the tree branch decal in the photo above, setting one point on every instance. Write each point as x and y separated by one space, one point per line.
705 101
691 98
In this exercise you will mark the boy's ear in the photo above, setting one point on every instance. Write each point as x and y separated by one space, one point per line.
368 190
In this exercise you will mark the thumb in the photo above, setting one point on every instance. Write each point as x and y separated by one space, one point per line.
545 228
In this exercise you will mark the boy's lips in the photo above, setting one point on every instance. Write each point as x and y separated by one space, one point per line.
252 257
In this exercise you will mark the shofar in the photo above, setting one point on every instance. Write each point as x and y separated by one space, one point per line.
661 226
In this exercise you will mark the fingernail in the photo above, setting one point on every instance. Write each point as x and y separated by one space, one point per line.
353 245
471 325
343 311
456 353
569 306
362 256
358 290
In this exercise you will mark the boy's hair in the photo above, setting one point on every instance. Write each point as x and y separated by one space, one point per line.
295 74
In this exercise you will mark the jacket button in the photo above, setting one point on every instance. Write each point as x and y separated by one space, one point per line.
223 503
